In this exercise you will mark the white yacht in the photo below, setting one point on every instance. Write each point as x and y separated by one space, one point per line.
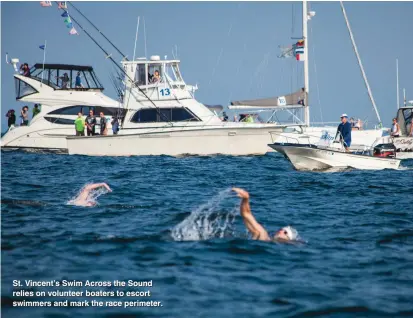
162 117
156 116
59 106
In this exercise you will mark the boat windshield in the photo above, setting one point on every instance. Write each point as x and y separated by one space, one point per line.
67 77
153 73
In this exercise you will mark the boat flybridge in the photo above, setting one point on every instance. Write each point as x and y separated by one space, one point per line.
53 86
162 117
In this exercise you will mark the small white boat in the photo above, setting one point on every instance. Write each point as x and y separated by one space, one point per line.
308 157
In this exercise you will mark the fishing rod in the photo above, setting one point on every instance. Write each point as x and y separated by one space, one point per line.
109 56
119 51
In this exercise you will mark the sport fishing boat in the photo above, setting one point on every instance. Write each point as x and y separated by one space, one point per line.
311 157
162 117
60 105
150 116
403 143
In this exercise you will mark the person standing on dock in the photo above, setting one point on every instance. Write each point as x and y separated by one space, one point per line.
344 132
90 124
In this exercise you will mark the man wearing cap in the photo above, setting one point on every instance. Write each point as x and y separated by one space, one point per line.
344 131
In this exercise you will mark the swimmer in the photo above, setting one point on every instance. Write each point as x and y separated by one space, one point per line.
258 232
82 198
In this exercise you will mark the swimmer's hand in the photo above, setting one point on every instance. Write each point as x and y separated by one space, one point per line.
107 187
241 193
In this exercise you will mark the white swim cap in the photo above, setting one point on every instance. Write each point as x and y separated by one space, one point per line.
291 232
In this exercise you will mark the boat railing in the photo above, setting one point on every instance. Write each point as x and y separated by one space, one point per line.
287 138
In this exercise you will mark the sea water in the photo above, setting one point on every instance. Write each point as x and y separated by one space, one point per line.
175 222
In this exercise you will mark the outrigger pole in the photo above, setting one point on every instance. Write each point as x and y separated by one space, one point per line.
123 55
109 56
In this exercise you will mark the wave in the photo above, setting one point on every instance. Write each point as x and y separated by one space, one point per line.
207 222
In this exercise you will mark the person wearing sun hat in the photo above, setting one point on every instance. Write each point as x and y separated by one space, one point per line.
344 131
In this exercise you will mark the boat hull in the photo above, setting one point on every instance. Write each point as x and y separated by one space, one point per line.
238 142
309 157
361 139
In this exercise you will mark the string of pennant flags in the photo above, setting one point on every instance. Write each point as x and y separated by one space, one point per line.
65 15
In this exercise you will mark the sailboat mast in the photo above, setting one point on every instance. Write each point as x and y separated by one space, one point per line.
306 80
359 61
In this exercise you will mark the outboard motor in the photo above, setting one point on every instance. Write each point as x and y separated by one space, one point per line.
385 151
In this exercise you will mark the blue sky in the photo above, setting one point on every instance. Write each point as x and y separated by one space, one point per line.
230 48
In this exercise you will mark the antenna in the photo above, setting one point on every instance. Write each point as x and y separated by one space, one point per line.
397 80
144 34
404 97
136 39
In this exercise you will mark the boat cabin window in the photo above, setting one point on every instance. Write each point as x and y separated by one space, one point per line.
140 75
154 73
152 115
74 110
60 121
408 115
23 89
172 72
67 77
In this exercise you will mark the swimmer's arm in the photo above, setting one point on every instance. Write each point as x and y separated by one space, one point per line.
257 230
98 185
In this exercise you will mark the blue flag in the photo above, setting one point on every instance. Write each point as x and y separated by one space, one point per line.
41 47
64 14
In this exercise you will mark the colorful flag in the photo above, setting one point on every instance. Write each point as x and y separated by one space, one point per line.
73 32
299 51
65 14
42 47
69 25
62 5
300 56
300 43
68 20
46 3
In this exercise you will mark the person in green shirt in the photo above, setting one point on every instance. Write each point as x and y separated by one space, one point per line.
249 119
80 125
36 110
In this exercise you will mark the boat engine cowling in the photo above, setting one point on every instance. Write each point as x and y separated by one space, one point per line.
385 150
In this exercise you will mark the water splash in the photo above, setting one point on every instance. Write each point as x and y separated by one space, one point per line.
92 197
207 221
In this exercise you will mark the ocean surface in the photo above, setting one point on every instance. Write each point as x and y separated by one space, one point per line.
175 221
